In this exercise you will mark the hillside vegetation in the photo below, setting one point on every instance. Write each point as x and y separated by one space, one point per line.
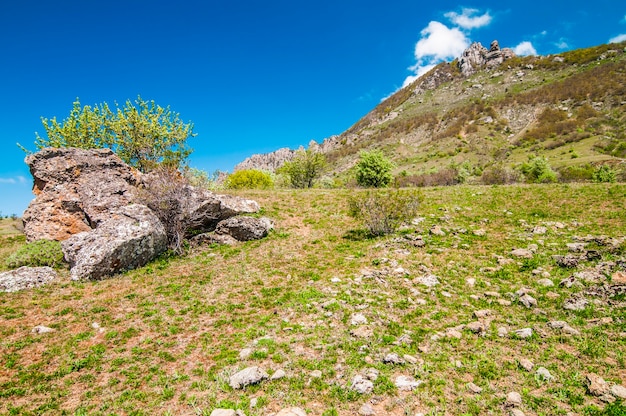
568 108
437 303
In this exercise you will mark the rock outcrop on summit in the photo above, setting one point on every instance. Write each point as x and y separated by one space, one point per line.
477 57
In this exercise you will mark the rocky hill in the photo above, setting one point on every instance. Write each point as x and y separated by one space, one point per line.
490 107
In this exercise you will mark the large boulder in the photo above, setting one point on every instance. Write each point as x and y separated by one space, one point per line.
245 228
26 278
109 216
75 189
130 238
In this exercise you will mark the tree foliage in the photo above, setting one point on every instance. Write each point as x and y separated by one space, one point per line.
143 134
249 179
538 170
373 170
304 169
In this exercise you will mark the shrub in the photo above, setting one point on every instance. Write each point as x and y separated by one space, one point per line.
538 170
36 254
373 170
604 173
167 194
499 175
304 169
576 173
249 179
382 212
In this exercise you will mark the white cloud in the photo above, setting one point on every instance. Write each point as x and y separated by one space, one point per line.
525 48
618 38
13 181
562 44
468 19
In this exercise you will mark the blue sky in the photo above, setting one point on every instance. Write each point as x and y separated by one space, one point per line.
252 75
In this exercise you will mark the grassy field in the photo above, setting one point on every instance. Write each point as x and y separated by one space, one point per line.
165 338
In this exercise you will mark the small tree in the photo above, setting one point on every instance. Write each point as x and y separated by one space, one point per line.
373 170
249 179
538 170
143 134
304 169
604 173
383 211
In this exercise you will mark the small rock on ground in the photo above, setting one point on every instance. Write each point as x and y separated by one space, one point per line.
407 383
361 385
513 399
618 391
293 411
250 375
544 374
367 410
278 374
596 385
526 364
40 329
524 332
474 388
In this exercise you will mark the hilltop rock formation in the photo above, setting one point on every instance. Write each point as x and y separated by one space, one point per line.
94 203
477 57
268 162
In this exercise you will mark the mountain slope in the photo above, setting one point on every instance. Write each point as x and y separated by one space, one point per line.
569 108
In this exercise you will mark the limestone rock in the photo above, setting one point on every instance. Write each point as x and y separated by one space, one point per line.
293 411
407 383
26 278
596 385
245 228
361 385
41 329
74 190
130 238
544 374
246 377
513 399
267 162
477 56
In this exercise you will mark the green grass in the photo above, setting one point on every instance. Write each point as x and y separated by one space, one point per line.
169 334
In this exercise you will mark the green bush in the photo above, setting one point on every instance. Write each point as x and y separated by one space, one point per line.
538 170
604 173
304 169
374 170
249 179
36 254
382 212
499 175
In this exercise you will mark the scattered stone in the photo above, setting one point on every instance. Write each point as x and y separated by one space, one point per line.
470 281
528 301
371 374
316 374
437 230
362 331
618 391
223 412
474 388
361 385
410 359
522 252
245 353
367 410
246 377
293 411
568 261
545 282
358 319
483 313
575 304
504 302
393 358
526 364
540 230
480 232
453 333
564 327
41 329
26 278
576 247
524 333
476 327
544 374
278 374
492 294
618 278
513 399
407 383
430 280
596 385
502 331
516 412
568 282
